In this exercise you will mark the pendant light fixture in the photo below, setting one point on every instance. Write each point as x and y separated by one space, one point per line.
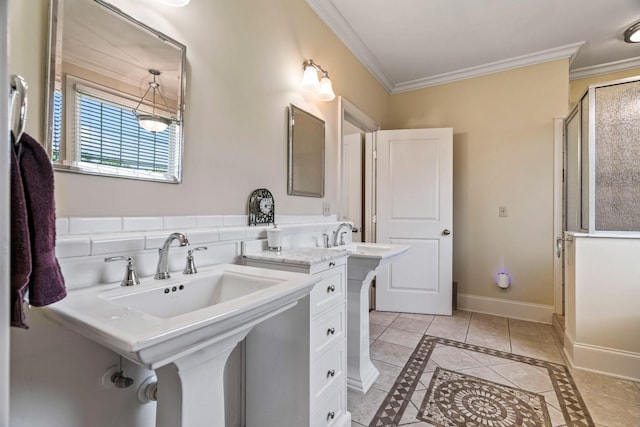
632 34
322 88
152 122
175 3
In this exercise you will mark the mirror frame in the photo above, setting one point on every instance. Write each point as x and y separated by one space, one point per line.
53 36
295 140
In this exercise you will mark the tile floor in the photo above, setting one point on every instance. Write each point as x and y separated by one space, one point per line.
612 402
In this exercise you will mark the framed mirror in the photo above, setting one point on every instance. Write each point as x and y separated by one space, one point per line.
306 154
115 94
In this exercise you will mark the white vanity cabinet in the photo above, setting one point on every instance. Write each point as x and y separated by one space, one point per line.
306 347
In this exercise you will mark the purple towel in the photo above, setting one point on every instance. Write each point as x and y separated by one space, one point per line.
20 246
46 283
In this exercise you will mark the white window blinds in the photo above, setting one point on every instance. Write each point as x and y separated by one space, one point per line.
104 136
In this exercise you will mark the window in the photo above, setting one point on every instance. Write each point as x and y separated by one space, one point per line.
57 115
103 136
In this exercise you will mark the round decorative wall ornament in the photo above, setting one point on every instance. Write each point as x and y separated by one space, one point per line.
261 207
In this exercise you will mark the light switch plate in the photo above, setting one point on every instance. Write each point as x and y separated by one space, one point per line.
502 211
326 208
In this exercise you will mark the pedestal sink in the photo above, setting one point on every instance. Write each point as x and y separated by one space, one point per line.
184 328
364 262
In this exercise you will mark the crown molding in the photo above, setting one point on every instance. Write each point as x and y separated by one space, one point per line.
341 28
336 22
609 67
562 52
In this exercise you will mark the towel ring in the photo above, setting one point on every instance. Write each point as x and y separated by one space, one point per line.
17 106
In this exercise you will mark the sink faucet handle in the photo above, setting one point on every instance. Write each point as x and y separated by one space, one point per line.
326 240
190 268
342 242
130 276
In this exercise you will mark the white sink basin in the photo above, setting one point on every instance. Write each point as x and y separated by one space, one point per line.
160 320
173 300
365 258
184 328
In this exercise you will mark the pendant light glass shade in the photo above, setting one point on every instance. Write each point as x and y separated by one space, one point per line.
152 122
175 3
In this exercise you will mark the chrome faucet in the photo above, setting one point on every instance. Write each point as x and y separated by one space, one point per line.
162 271
337 233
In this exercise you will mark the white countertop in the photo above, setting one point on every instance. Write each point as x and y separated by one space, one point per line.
301 256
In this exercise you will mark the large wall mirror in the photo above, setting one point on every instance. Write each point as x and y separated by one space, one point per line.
306 153
115 99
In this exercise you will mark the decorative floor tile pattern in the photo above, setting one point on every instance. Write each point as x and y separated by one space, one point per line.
458 400
392 408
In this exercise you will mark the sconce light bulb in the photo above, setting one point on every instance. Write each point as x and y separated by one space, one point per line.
310 81
325 93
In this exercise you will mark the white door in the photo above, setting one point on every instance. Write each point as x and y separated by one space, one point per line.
352 182
414 207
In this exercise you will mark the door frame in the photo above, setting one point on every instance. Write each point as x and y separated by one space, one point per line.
352 114
5 340
558 211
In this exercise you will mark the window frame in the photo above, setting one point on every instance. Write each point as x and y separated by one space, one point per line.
70 139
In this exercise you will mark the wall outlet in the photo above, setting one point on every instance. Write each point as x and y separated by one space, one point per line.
326 208
502 211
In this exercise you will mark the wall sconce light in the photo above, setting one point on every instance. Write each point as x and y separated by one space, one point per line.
632 35
152 122
321 88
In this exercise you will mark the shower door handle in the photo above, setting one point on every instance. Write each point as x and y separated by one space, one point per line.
559 244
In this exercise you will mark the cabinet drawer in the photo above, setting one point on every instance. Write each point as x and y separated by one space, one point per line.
328 329
328 369
328 265
331 409
329 291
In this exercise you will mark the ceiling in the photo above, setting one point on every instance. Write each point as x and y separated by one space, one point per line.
410 44
108 43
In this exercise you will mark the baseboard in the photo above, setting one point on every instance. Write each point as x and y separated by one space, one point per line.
602 360
558 327
506 308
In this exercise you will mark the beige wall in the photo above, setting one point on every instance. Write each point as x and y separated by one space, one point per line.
502 156
579 86
244 68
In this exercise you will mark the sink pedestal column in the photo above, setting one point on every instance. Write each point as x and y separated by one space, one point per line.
191 389
361 374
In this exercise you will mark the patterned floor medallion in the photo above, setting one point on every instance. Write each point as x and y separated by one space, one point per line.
458 400
455 399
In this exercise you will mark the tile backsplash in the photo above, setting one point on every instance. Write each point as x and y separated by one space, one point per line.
83 243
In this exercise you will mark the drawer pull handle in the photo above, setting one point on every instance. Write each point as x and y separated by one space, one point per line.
331 415
331 331
331 373
331 288
332 264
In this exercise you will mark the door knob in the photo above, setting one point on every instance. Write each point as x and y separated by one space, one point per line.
446 232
